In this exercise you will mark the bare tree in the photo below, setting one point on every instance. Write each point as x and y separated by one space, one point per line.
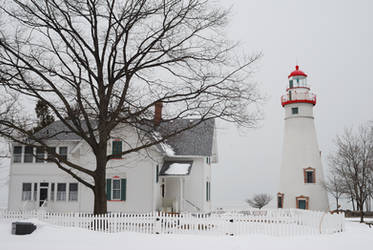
259 200
100 63
335 187
352 164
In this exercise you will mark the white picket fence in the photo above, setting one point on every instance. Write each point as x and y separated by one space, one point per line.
281 222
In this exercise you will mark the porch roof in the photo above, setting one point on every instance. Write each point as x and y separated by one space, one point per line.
176 168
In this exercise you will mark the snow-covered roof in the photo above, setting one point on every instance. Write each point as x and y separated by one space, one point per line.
176 168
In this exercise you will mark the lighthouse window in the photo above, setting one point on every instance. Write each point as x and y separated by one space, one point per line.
309 175
295 110
291 85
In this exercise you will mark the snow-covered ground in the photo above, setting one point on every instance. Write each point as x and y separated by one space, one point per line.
357 236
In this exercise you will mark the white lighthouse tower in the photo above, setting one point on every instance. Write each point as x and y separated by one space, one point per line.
301 170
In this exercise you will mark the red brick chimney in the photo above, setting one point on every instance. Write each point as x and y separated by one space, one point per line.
157 113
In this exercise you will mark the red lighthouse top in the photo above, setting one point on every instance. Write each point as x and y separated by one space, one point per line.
297 72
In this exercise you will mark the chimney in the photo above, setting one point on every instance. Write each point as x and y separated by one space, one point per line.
158 113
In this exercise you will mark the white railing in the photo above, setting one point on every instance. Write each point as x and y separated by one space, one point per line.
283 222
295 97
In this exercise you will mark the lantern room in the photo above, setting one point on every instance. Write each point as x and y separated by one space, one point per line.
297 79
298 90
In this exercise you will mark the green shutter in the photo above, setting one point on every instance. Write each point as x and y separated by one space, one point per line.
207 191
108 189
123 189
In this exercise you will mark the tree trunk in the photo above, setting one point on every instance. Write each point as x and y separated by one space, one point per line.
353 204
336 200
100 202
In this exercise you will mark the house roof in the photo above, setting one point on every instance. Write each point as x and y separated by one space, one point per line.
197 141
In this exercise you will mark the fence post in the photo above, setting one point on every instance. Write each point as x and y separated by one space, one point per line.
157 225
321 221
231 227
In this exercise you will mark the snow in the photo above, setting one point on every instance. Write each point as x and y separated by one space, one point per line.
357 236
165 147
178 169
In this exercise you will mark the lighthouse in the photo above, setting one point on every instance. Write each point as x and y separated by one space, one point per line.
301 173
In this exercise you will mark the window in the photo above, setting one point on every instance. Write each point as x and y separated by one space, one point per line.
61 191
17 154
309 175
40 154
26 191
291 85
63 152
52 191
117 149
28 157
116 189
51 151
208 191
295 110
35 191
73 192
280 200
302 202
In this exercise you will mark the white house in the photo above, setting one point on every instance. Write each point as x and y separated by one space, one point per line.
301 173
174 176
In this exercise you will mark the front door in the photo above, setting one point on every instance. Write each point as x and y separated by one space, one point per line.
43 194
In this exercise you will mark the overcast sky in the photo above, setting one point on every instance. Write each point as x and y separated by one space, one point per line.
333 43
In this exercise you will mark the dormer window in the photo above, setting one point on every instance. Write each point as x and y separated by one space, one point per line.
309 175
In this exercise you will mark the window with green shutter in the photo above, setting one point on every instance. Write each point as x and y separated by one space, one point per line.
116 189
117 149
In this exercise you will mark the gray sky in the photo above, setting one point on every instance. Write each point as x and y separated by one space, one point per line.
333 43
